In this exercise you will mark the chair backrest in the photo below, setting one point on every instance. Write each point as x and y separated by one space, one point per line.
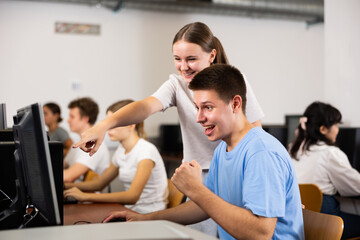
175 196
90 175
311 196
322 226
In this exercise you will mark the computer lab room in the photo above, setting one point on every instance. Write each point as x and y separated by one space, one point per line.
179 119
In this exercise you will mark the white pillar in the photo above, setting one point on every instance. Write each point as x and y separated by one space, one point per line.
342 58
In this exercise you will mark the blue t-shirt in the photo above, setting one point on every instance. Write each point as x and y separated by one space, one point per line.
258 175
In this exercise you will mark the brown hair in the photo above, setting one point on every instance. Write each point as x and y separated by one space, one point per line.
226 80
200 34
87 107
117 105
54 108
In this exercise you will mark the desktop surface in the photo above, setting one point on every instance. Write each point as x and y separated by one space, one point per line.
163 230
81 213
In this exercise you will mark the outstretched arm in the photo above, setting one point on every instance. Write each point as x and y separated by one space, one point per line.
237 221
130 114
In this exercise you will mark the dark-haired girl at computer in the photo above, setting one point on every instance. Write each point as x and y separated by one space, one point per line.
139 166
319 161
52 117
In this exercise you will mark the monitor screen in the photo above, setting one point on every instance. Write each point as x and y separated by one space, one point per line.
291 122
3 123
278 131
348 141
6 135
33 155
170 139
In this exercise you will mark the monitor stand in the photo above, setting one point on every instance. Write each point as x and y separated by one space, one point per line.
13 216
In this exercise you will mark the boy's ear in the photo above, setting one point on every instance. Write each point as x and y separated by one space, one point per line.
323 130
85 118
237 103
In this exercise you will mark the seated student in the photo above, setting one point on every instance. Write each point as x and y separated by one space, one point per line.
139 166
251 190
82 116
52 116
319 161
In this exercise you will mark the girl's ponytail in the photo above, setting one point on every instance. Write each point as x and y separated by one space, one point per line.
220 52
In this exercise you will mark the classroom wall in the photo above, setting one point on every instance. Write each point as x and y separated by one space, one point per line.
283 60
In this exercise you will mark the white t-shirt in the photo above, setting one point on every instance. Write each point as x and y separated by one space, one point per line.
97 163
329 168
175 92
155 193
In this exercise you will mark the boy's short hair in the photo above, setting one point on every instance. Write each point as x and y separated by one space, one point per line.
87 107
226 80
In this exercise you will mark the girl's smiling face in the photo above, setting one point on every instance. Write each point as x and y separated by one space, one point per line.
190 58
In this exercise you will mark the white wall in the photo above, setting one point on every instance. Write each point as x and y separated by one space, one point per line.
283 60
342 57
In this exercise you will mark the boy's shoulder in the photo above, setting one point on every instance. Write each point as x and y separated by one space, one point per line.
257 139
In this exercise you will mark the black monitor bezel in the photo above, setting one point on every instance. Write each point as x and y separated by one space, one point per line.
3 119
291 130
33 180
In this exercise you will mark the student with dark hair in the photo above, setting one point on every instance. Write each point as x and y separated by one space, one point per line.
82 116
194 48
139 166
318 160
52 116
251 189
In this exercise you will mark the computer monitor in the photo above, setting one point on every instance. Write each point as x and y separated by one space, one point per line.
32 157
170 139
6 135
3 123
278 131
291 122
348 141
8 180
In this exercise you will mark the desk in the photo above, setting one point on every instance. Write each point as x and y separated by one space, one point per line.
91 212
164 230
95 213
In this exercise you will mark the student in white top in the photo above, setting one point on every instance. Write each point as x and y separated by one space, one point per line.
139 166
194 48
82 116
319 161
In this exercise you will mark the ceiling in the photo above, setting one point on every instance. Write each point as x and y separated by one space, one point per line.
310 11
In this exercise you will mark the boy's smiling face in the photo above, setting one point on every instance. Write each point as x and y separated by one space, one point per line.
214 115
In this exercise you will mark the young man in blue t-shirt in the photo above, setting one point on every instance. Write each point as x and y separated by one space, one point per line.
251 190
